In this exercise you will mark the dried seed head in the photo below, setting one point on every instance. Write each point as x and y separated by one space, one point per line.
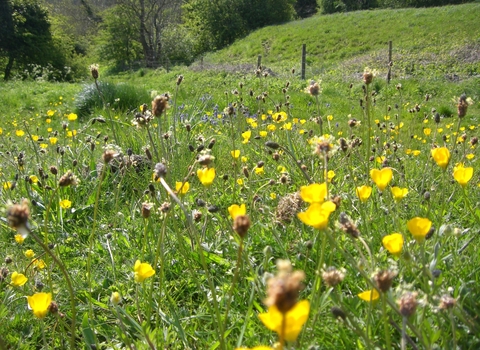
179 79
283 289
408 304
447 302
288 206
347 225
462 106
17 217
146 209
108 155
384 280
159 105
338 313
160 171
3 274
314 88
332 276
241 224
68 179
94 71
164 207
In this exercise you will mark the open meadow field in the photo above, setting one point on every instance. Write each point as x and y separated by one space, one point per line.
229 206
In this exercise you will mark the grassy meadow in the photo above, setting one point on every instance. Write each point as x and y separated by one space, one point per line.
221 206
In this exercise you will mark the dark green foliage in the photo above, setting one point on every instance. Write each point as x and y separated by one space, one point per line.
305 8
332 6
117 39
219 23
119 96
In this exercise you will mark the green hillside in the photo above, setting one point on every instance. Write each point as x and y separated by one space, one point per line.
447 37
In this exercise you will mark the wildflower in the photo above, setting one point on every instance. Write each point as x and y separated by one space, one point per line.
235 153
441 156
369 295
142 271
314 193
381 177
7 185
182 187
263 133
65 204
462 175
393 243
279 117
259 171
39 264
50 113
317 214
72 117
330 175
419 228
19 238
246 136
115 298
19 133
235 210
256 348
427 131
29 253
39 303
33 179
398 193
206 176
295 318
18 279
146 209
363 192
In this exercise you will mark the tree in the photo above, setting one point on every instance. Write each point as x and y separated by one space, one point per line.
151 17
117 40
25 36
305 8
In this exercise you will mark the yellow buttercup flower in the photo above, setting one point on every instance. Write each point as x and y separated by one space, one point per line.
115 298
65 204
381 177
393 243
317 214
295 318
72 116
441 156
29 253
314 193
19 238
462 175
236 210
363 192
419 228
182 187
18 279
369 295
398 193
142 271
206 176
39 303
39 264
19 133
246 136
235 153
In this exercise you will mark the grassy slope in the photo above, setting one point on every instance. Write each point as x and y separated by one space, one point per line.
426 35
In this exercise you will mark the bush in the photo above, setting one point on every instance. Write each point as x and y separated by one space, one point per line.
119 96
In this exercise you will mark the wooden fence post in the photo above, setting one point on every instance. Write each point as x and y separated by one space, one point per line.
259 61
389 74
304 56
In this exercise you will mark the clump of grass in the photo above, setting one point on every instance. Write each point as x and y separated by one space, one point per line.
120 96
